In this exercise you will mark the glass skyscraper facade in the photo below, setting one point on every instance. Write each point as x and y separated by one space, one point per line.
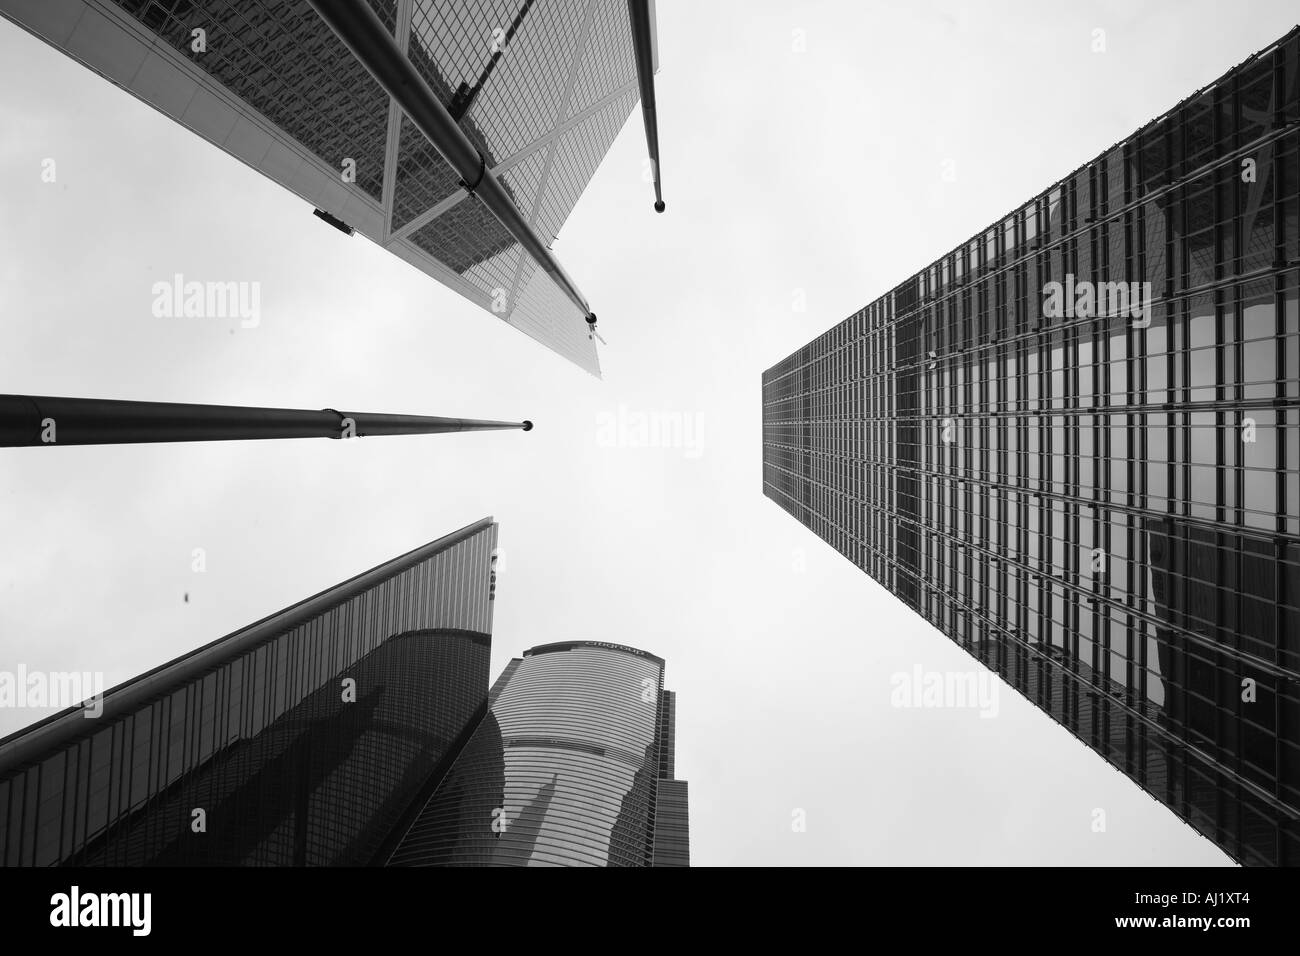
572 765
1070 444
268 82
305 739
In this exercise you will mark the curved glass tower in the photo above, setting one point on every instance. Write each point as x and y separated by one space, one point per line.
571 766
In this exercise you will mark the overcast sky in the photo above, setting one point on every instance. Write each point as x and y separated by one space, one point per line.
816 173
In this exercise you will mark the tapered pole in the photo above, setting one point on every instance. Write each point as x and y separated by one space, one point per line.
41 420
361 30
639 11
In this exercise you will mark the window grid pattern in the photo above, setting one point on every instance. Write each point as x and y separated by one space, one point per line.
469 239
422 178
1103 508
281 59
544 312
605 65
517 103
578 153
525 178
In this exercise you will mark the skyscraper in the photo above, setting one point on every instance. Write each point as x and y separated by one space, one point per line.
572 765
1070 445
300 740
539 90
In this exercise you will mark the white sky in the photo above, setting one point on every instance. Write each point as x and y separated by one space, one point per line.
817 171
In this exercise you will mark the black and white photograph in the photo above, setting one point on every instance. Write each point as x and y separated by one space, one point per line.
747 434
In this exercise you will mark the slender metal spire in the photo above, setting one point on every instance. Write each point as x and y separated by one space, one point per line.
40 420
360 28
639 10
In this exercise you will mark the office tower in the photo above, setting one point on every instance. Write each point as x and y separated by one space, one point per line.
572 765
300 740
1070 444
535 92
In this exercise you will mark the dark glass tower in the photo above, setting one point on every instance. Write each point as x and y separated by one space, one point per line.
571 766
540 89
1094 488
303 739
